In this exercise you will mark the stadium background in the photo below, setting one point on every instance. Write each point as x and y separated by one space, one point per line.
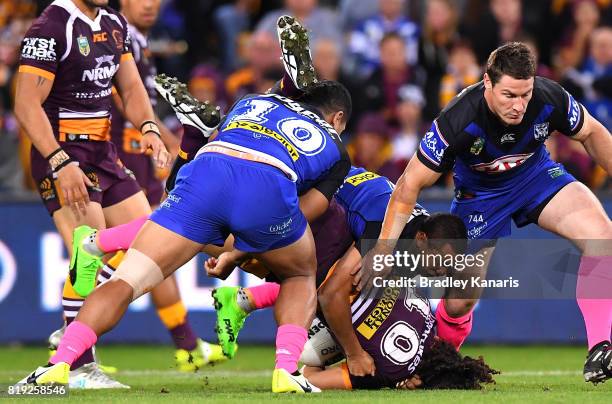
224 49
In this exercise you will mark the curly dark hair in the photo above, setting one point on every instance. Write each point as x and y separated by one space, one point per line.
443 367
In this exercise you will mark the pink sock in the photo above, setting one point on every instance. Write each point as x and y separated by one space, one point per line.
453 330
594 296
290 340
120 237
264 295
77 339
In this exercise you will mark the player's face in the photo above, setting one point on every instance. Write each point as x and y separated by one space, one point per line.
141 13
509 98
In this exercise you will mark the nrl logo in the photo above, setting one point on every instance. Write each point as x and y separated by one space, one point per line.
83 45
540 131
477 146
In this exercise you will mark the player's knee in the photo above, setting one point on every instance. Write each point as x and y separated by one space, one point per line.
459 307
140 272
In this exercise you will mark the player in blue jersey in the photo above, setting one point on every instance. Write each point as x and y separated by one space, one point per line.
492 135
269 150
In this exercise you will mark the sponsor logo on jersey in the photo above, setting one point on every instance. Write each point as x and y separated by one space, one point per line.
556 172
83 43
540 131
573 112
508 138
379 314
432 145
42 49
502 164
100 37
254 127
361 178
103 73
477 146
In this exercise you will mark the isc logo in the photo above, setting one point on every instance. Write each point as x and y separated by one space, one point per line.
39 49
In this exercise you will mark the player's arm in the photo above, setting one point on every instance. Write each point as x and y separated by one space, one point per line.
334 301
31 92
416 176
170 141
315 201
596 140
138 109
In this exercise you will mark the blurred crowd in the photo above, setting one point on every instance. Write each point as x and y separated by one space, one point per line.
402 61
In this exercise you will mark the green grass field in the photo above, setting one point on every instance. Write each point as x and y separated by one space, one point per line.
529 374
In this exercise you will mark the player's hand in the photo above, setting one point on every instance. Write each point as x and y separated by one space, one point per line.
373 265
220 267
73 185
411 383
151 140
361 364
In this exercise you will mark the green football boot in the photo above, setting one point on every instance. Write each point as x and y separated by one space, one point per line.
83 266
230 318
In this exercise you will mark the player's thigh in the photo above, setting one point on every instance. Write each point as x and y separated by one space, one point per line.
66 221
131 208
576 214
167 249
296 259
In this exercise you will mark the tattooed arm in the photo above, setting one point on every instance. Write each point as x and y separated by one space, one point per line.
32 91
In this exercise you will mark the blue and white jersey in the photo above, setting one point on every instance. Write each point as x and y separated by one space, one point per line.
297 138
364 196
488 156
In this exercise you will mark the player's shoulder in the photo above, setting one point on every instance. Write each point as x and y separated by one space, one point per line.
54 17
548 91
462 110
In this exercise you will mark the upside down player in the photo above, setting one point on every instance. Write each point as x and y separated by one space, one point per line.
493 134
69 57
249 164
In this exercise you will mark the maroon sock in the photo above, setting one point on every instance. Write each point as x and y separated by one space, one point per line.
184 337
87 357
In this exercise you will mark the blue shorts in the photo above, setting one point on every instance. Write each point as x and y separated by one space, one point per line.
216 195
487 214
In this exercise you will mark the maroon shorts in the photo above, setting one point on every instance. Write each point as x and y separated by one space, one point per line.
112 182
144 171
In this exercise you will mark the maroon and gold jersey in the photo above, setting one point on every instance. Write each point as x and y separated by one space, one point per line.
81 56
123 134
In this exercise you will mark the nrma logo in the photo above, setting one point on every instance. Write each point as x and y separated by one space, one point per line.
103 73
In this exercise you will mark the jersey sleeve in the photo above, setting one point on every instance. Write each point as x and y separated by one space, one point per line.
435 151
335 177
42 48
125 41
569 116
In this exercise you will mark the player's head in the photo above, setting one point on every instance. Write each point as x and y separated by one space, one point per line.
508 81
333 100
443 234
141 13
442 367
